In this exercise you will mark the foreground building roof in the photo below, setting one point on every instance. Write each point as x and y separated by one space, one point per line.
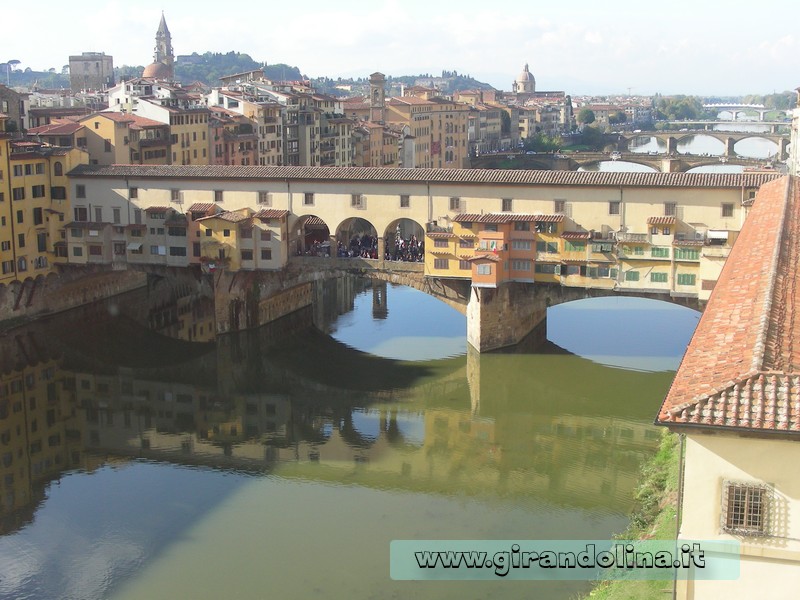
741 370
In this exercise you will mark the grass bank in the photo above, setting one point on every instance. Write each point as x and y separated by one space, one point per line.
655 518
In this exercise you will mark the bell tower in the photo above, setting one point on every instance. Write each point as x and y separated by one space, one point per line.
163 50
377 97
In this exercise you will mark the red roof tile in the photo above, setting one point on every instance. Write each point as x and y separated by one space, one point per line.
271 213
661 221
742 367
201 207
575 235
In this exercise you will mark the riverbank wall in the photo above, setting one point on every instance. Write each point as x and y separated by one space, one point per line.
21 302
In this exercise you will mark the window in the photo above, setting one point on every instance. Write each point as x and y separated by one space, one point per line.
547 269
158 250
226 233
484 269
117 215
5 246
659 252
455 203
29 169
133 193
727 211
687 254
58 169
95 250
266 254
745 508
20 216
570 246
522 226
464 265
405 201
80 191
666 231
77 251
177 251
176 231
308 199
654 230
218 196
521 265
98 214
40 168
246 233
107 145
266 235
209 232
466 243
247 255
22 264
37 191
670 209
507 203
440 243
686 279
38 216
631 275
613 207
542 227
547 247
21 240
520 244
658 277
175 195
357 201
18 193
265 198
559 206
441 263
137 216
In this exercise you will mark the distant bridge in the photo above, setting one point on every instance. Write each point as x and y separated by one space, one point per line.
575 160
735 109
729 138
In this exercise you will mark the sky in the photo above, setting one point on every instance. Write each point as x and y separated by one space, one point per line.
581 47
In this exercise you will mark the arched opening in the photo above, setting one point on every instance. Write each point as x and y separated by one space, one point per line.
356 237
58 169
404 241
699 144
756 147
313 237
623 331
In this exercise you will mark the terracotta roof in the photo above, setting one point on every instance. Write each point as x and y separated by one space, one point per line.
201 207
150 209
741 370
504 218
271 213
440 234
661 221
491 257
312 220
231 217
447 176
57 128
576 235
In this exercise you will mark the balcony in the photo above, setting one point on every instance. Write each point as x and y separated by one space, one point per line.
641 238
716 251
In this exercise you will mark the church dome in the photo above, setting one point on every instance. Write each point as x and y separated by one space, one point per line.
525 83
156 70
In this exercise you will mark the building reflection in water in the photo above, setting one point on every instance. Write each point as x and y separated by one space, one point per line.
289 400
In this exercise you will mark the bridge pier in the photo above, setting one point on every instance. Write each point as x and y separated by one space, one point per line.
729 144
672 145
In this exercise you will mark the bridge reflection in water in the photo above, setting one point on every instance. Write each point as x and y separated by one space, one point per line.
536 433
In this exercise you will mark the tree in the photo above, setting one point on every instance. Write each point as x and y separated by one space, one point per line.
586 116
617 117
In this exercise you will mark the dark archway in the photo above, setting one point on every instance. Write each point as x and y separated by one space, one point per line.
313 237
357 237
404 241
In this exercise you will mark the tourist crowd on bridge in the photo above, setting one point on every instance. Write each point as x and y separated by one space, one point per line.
411 249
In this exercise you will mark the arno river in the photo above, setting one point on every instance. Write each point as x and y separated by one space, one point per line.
280 463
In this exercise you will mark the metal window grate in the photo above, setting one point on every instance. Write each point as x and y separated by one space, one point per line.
745 508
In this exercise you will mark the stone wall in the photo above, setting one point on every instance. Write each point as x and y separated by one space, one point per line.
55 293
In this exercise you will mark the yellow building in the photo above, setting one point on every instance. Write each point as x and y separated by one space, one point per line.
116 138
244 240
417 114
34 204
